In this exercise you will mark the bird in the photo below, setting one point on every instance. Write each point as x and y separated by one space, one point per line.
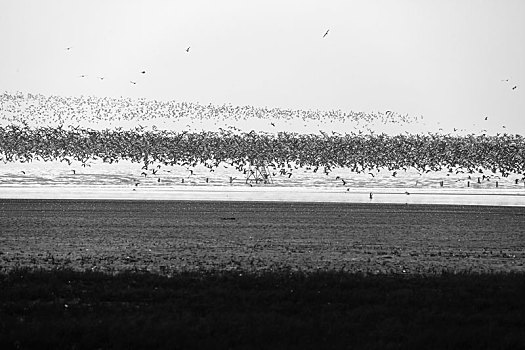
371 195
143 72
325 34
514 87
101 78
486 118
83 76
188 49
133 82
23 172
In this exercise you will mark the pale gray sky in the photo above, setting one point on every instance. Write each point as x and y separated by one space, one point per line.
443 59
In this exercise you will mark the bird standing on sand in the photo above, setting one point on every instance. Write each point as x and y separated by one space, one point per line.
371 195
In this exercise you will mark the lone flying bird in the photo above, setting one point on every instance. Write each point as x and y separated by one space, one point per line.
133 82
514 87
143 72
325 34
188 49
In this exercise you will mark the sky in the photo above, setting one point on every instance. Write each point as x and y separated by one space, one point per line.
446 60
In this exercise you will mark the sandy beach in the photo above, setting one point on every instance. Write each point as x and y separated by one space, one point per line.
164 236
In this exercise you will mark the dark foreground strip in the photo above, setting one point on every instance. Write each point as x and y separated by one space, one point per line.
235 310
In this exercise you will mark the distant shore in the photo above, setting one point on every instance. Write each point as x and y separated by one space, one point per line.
491 197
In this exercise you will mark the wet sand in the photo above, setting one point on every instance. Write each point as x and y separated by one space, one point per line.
171 236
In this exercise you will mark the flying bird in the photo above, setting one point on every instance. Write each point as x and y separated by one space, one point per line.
143 72
188 49
514 87
133 82
325 34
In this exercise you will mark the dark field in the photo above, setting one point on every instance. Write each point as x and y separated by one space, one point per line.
171 236
139 274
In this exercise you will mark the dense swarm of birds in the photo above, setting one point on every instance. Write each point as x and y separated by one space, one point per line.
360 153
49 128
37 109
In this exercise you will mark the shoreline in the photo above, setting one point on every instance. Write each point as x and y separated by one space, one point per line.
486 197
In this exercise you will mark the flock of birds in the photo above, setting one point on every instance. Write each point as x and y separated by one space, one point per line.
40 110
250 153
263 156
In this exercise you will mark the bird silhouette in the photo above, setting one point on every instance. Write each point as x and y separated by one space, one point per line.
514 87
143 72
188 49
133 82
325 34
